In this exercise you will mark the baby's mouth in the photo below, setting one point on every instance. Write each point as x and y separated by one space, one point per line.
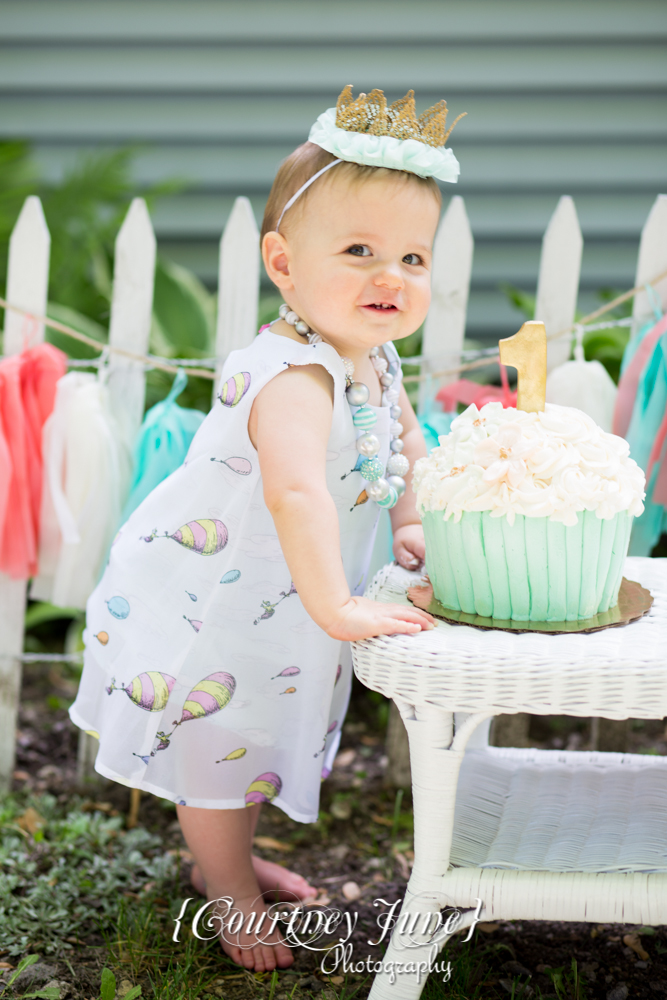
381 307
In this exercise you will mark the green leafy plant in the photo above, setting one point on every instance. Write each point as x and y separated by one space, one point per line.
48 993
108 987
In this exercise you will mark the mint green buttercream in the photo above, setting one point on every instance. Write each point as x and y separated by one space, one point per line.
533 570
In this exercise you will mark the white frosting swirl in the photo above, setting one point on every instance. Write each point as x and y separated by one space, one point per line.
549 464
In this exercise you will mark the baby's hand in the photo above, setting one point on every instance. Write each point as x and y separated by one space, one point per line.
409 548
362 618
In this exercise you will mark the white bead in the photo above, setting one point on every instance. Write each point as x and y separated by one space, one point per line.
357 394
398 483
386 379
397 465
302 328
368 445
380 365
396 429
378 490
391 395
374 351
395 412
314 338
284 309
397 445
291 318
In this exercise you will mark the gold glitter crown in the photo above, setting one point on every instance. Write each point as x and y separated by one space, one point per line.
369 114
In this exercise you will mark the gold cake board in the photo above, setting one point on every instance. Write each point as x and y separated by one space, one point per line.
634 601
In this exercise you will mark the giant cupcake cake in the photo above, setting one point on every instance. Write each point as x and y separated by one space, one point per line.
527 515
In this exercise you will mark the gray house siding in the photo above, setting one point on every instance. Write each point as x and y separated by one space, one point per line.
562 98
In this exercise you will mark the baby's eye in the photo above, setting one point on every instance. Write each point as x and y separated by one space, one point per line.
412 258
359 250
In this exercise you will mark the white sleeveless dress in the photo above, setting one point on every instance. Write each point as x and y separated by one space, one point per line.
204 678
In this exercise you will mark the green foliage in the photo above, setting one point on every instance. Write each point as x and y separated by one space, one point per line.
108 987
68 878
48 993
16 183
183 313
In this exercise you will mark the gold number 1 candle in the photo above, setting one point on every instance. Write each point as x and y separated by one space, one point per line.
527 352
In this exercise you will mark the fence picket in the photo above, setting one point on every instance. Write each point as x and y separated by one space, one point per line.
558 282
444 327
27 286
129 327
652 257
238 283
131 309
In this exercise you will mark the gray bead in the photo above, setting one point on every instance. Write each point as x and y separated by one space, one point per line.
386 380
357 394
302 328
398 483
368 445
378 490
397 465
284 309
291 318
395 412
396 445
374 351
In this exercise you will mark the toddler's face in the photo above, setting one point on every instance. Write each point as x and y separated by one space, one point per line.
356 264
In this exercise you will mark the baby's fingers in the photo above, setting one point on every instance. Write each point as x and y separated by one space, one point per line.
398 613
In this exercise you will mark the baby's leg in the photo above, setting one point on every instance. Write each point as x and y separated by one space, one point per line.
220 840
275 882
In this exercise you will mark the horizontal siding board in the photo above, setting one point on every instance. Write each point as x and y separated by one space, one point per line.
573 168
324 69
345 21
181 119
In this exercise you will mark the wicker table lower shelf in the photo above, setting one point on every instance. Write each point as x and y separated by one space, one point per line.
532 834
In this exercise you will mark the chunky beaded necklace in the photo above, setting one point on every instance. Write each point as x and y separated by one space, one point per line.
384 486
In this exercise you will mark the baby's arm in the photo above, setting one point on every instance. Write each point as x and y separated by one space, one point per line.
290 425
405 521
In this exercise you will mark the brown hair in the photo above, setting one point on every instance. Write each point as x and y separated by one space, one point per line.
303 164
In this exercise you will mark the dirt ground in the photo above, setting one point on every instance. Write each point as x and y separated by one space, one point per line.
359 852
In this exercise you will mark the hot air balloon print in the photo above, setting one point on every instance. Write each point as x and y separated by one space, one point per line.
149 690
263 789
362 498
324 741
291 690
193 597
102 638
339 670
208 696
234 389
288 672
118 607
231 576
234 755
269 609
193 621
239 465
206 536
356 468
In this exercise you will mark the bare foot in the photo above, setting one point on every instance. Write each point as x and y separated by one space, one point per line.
272 879
258 952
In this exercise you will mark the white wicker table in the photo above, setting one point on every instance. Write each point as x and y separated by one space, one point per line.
533 834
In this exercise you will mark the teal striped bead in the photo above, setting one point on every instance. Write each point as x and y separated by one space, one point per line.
390 500
364 418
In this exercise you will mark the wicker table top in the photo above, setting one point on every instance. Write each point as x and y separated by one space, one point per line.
617 673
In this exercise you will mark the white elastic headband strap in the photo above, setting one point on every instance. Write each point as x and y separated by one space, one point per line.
304 188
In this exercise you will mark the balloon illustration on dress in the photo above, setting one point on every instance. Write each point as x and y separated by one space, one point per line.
193 597
288 672
231 576
102 638
208 696
362 498
324 742
263 789
234 389
118 607
339 670
239 465
356 468
288 691
149 690
269 610
193 621
206 536
234 755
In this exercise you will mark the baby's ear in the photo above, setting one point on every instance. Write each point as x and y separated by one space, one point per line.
275 254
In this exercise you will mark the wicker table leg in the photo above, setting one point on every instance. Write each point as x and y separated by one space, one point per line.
435 771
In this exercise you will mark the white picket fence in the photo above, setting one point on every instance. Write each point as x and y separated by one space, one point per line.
238 277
